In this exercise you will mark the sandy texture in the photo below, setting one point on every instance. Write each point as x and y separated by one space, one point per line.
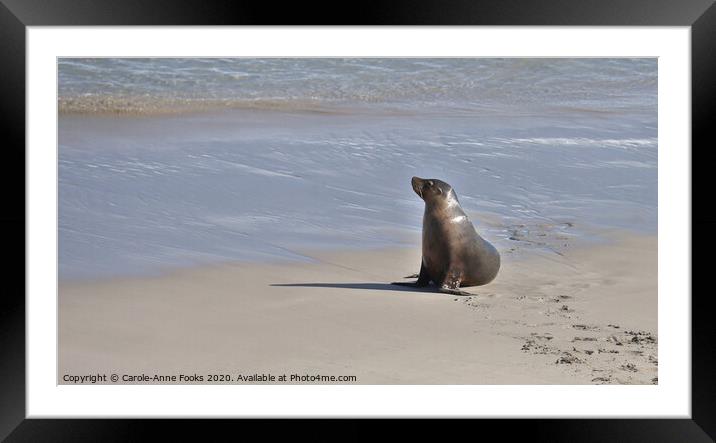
585 315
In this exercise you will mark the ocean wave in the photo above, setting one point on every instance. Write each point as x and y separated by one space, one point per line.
582 141
143 105
468 85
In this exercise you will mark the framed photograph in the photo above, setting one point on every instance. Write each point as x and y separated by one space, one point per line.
478 213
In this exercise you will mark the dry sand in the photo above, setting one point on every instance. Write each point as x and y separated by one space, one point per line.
579 316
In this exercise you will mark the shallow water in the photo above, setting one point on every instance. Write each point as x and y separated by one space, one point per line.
563 145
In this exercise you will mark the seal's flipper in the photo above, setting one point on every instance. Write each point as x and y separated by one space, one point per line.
454 291
452 286
404 283
422 279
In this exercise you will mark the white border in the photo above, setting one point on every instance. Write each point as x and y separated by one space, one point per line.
671 398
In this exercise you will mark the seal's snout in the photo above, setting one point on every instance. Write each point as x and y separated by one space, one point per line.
417 183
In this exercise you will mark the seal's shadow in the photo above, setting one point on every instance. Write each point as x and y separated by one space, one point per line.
370 286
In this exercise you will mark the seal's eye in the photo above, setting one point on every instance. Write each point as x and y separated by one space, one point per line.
430 183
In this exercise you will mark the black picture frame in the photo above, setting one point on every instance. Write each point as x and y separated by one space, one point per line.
16 15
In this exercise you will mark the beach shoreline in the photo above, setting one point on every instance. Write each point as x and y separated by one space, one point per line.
585 315
246 216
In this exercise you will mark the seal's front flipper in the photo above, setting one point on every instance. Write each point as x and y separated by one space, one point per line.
452 285
453 291
404 283
422 279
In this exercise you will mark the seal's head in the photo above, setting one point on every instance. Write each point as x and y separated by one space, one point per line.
432 190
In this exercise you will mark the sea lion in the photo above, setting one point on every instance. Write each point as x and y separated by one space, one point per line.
454 254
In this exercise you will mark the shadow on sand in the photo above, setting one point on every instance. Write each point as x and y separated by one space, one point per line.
373 286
